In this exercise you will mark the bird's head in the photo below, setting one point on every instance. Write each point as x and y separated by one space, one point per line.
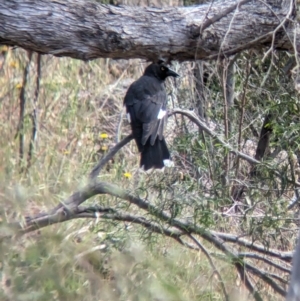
160 71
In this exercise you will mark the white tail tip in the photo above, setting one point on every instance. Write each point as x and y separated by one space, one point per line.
128 117
168 163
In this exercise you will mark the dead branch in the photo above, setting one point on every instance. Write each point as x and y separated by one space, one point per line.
96 170
285 256
266 277
87 30
20 131
97 212
95 188
34 114
266 260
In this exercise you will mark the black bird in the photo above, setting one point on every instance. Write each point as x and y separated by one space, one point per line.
146 104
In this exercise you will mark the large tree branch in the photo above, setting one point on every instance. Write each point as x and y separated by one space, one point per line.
86 30
168 229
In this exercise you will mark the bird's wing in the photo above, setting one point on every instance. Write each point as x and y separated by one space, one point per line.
146 101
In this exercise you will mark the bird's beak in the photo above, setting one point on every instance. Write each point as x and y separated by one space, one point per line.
172 73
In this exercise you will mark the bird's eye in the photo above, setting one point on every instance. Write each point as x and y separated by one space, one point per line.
162 68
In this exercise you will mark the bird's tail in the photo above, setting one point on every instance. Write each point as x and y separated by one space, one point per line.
155 156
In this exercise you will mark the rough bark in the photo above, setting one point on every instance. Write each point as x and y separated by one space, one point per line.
294 287
86 30
200 99
263 142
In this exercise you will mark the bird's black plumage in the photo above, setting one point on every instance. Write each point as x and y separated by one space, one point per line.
146 104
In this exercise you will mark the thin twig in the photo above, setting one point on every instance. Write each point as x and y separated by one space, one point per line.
215 270
192 116
241 121
248 45
20 131
34 115
245 278
226 122
286 18
238 190
119 127
266 260
223 14
266 277
285 256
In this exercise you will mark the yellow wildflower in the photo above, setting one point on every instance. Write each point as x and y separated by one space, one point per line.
4 48
127 175
19 86
103 135
13 64
104 147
